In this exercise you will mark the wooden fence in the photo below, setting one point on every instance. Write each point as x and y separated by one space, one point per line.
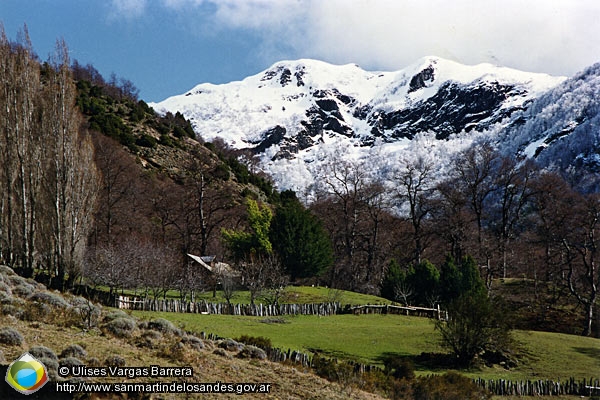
571 387
391 309
269 310
203 307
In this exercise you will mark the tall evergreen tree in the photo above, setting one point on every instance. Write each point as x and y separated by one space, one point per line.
299 239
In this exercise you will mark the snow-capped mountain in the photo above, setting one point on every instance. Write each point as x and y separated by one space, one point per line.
561 129
296 115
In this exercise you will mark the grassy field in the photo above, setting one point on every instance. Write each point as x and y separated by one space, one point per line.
293 294
364 338
370 338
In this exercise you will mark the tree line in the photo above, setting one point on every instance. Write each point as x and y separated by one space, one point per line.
48 176
511 218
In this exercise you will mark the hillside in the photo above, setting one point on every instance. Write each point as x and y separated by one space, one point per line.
33 317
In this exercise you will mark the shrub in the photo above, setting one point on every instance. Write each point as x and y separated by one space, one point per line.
193 342
43 352
231 345
114 361
166 140
6 271
5 298
146 141
333 371
73 350
51 366
4 288
164 326
86 312
399 367
475 325
221 352
11 337
120 327
250 351
70 362
14 310
258 341
450 386
49 298
114 314
149 338
34 311
23 290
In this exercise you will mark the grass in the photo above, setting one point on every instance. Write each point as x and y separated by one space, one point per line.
288 382
370 338
293 294
363 338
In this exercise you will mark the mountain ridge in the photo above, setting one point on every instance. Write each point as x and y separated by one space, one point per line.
295 112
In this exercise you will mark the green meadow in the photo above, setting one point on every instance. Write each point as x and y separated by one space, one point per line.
371 338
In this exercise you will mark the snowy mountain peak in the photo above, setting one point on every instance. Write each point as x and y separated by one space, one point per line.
295 111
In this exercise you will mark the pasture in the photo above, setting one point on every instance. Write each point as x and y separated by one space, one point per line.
370 339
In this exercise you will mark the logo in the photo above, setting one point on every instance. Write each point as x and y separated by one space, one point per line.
26 374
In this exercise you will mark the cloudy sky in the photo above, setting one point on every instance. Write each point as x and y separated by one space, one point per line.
168 46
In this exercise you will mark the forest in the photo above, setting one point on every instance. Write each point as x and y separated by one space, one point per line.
97 189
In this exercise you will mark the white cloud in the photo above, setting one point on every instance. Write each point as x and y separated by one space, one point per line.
127 9
556 36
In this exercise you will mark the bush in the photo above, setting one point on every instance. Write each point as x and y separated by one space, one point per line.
164 326
474 325
250 351
15 310
166 140
399 367
34 311
43 352
5 298
333 371
450 386
70 362
51 366
85 312
4 288
6 271
231 345
114 314
194 342
11 337
120 327
114 361
258 341
23 290
221 352
49 298
73 350
146 141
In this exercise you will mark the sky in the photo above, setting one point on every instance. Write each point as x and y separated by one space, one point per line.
166 47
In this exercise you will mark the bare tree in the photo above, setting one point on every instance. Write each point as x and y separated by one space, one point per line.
228 285
115 189
21 156
111 265
70 175
414 189
402 290
513 192
581 254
